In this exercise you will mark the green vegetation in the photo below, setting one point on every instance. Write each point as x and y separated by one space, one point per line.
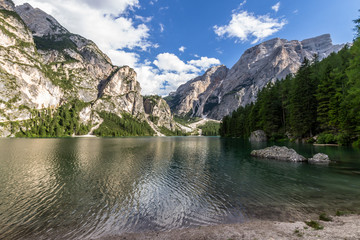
186 120
62 122
173 101
341 213
154 119
168 132
322 98
58 42
153 98
314 224
114 126
210 129
58 78
298 233
324 217
7 13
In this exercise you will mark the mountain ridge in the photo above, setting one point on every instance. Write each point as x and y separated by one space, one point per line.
45 68
259 65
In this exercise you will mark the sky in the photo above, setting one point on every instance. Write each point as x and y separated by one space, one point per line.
169 42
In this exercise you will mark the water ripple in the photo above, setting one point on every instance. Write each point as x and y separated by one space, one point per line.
91 188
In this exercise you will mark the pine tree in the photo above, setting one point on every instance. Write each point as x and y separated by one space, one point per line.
303 103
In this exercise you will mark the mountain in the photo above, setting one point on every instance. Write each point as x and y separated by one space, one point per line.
191 98
46 70
220 91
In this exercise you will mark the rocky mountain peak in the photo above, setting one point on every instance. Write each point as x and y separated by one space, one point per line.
259 65
7 5
321 45
189 97
44 67
40 23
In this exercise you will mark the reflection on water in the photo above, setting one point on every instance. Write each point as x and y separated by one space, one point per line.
89 188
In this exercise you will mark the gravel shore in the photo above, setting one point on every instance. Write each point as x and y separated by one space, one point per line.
342 227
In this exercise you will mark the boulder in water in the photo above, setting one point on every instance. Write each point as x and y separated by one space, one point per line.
319 158
279 153
258 136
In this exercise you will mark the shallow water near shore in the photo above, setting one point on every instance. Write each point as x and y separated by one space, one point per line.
84 188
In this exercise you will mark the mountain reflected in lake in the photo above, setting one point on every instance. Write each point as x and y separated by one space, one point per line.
88 188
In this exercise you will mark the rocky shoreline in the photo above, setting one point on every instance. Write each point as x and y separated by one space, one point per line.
340 227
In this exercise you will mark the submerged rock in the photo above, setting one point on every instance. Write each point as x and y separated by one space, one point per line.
279 153
258 136
319 158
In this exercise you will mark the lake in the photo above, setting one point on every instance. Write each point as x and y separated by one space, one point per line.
84 188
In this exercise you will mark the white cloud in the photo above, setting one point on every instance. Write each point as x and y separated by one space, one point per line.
169 62
144 19
123 58
152 80
95 20
276 7
153 2
244 25
204 63
182 49
108 6
121 39
170 72
240 6
162 27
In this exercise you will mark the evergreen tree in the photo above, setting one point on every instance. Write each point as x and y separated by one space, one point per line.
303 104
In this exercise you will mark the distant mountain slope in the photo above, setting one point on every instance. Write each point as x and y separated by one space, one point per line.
268 61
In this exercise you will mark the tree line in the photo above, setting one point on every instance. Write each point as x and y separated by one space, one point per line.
322 99
126 125
48 122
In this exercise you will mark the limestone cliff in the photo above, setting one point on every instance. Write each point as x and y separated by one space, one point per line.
44 66
268 61
77 63
24 80
159 112
192 96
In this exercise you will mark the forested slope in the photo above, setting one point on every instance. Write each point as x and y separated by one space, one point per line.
322 99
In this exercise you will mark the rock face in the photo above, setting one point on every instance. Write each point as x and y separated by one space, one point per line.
159 112
7 5
44 66
77 59
259 65
279 153
24 79
258 136
40 23
193 96
319 158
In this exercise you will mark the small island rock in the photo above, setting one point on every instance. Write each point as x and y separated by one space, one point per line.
319 158
258 136
279 153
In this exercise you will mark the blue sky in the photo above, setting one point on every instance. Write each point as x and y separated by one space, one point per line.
171 41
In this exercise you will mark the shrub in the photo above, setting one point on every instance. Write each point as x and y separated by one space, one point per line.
324 217
342 139
311 140
314 224
356 143
326 138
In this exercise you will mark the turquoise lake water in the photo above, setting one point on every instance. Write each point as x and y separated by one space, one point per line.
86 188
